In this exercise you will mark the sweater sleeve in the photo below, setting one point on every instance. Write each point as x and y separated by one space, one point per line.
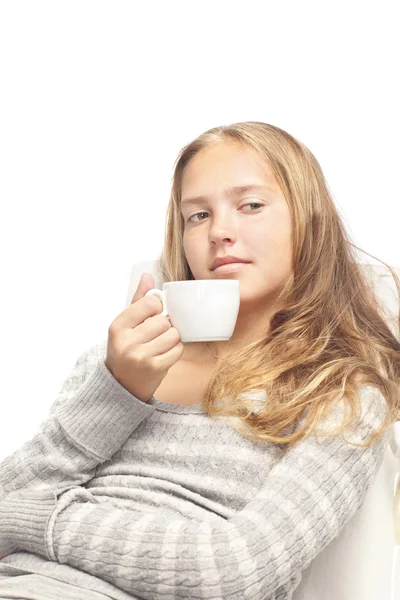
91 418
259 553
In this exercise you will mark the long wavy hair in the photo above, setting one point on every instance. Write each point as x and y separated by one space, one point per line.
328 340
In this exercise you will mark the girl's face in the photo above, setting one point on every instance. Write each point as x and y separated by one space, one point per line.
254 225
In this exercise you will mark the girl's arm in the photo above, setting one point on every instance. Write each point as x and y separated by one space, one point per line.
90 420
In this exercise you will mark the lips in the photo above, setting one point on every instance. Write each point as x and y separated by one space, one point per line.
224 260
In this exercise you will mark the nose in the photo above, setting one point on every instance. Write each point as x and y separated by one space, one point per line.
222 229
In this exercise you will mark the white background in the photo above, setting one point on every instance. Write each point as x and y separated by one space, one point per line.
97 98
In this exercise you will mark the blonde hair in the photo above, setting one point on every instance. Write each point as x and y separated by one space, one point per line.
329 338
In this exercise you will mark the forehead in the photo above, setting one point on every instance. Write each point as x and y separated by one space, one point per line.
225 165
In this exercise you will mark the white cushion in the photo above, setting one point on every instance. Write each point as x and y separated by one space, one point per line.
362 562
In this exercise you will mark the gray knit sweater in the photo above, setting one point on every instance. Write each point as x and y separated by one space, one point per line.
159 501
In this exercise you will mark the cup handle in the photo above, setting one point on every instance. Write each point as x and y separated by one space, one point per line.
159 294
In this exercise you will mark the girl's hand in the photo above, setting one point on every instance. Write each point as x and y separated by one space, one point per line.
142 344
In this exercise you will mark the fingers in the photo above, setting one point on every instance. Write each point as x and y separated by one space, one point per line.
146 283
136 313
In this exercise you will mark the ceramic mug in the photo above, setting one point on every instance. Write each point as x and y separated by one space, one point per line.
202 310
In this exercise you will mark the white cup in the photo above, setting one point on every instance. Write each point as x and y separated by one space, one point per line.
202 310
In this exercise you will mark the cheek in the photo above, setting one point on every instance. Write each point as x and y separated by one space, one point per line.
280 231
191 249
284 251
272 242
191 238
187 246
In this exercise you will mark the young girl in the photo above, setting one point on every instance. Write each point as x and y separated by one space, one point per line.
214 470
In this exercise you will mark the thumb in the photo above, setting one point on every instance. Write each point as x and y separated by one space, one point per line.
146 283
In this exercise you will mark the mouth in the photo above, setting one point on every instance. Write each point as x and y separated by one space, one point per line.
231 267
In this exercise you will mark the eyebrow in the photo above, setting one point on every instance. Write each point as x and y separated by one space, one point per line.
232 191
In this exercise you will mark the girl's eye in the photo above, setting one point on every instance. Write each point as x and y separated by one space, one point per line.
196 215
205 212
